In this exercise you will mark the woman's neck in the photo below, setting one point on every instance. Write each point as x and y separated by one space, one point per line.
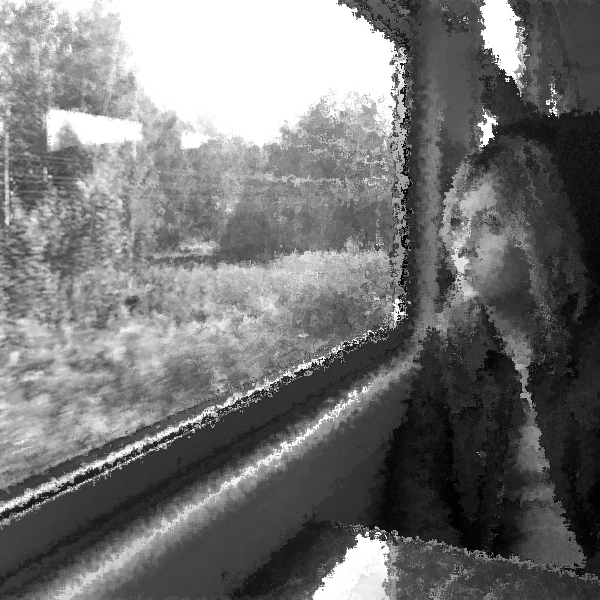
462 299
517 344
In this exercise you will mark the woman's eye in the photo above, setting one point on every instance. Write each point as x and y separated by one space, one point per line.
491 221
455 222
465 252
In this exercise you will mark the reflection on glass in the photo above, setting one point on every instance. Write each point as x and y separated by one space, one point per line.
362 574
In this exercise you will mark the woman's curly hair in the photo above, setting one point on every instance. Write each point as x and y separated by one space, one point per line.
539 221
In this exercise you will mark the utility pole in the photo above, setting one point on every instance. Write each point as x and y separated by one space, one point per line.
45 148
6 170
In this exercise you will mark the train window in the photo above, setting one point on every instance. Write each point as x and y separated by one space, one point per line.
183 215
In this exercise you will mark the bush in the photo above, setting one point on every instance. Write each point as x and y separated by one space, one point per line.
249 236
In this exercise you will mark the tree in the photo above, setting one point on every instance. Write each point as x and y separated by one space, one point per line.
249 235
345 139
76 198
337 141
164 144
91 71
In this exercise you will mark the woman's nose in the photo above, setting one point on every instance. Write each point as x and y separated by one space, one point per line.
467 252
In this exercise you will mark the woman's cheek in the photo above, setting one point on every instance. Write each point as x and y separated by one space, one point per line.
503 274
489 257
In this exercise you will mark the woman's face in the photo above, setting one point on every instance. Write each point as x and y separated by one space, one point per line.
477 236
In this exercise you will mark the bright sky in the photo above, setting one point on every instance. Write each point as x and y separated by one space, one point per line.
500 33
251 64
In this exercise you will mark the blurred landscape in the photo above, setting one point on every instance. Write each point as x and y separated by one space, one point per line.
143 275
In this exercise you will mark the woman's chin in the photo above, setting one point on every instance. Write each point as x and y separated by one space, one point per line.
464 283
513 316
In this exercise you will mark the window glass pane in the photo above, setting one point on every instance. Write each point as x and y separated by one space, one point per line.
194 199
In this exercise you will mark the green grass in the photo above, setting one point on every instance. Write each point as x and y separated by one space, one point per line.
201 333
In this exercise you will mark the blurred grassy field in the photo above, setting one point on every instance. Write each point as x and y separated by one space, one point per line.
196 334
